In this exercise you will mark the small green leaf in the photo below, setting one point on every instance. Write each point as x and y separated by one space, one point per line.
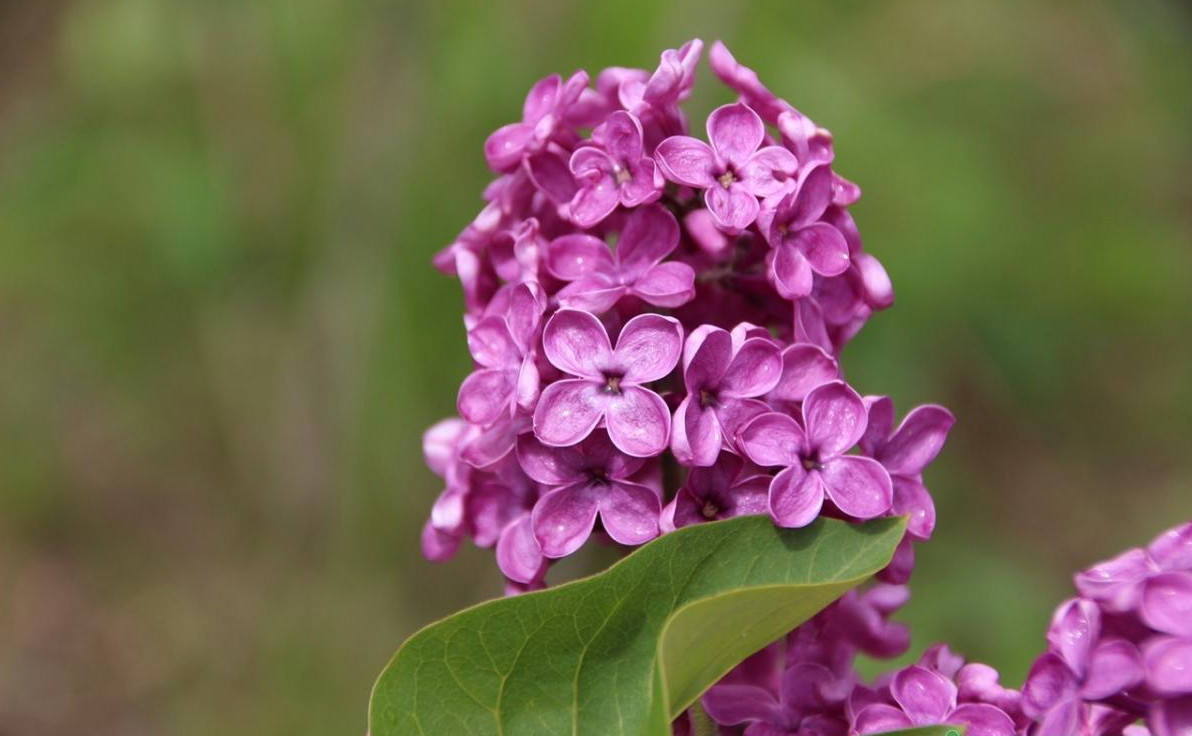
943 730
624 652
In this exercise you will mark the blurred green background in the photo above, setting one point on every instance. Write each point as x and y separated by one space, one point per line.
221 338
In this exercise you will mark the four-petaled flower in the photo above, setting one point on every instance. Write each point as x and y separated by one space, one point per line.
608 382
924 697
544 114
804 245
587 480
729 487
505 348
616 172
734 171
722 372
600 277
813 459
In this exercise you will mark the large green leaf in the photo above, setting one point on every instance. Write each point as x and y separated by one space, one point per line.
624 652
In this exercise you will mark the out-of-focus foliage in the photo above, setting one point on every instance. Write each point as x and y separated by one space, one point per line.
220 336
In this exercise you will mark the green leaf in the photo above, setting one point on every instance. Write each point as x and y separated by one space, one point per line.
944 730
624 652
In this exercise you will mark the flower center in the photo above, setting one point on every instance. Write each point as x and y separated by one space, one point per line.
707 398
612 384
811 463
727 178
709 510
622 176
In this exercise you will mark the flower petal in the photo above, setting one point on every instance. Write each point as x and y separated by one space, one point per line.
754 370
621 136
789 271
593 201
438 546
492 345
596 294
1173 716
880 718
639 422
811 199
504 148
1169 664
670 284
568 411
576 342
927 697
1116 583
917 441
824 248
734 208
733 704
1049 683
1172 550
1074 630
796 497
804 367
518 554
1167 603
629 512
648 348
563 519
649 235
551 466
696 437
769 171
835 418
590 161
486 395
982 719
687 161
773 439
859 486
912 499
574 256
549 172
735 132
1115 667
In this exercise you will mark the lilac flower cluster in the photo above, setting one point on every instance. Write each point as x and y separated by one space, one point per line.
642 304
656 323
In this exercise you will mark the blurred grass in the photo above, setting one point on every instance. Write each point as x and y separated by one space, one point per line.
220 336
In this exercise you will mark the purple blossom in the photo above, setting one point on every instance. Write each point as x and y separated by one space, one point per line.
804 245
734 171
924 697
600 277
505 348
727 488
585 481
723 372
1120 584
813 459
616 172
544 116
607 383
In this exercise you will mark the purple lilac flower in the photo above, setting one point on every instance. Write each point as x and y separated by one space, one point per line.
734 171
804 245
722 372
600 277
544 117
615 172
1119 584
607 383
585 481
505 348
813 458
924 697
729 487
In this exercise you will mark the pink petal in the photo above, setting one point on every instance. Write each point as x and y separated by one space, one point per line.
811 199
824 248
1116 583
562 520
494 443
550 173
551 466
790 272
733 208
706 354
1169 664
982 719
527 302
529 382
1172 717
1049 683
1074 631
648 348
1062 720
835 418
542 98
859 486
486 395
595 200
926 696
439 444
621 136
438 546
572 257
504 148
1115 667
1167 603
754 370
735 132
491 344
576 342
880 424
639 422
596 294
629 512
735 414
650 234
590 161
879 291
918 440
769 171
912 499
686 161
773 439
880 718
804 367
796 497
670 285
696 438
644 186
1172 550
731 704
518 554
568 411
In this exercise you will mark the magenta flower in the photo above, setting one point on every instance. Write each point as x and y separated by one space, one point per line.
803 244
544 116
803 704
727 488
600 277
617 172
608 383
734 171
722 371
924 697
504 347
804 367
1121 584
812 455
1167 661
905 453
585 481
